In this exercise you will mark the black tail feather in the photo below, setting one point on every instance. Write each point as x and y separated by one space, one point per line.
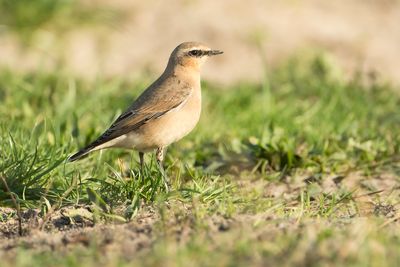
80 154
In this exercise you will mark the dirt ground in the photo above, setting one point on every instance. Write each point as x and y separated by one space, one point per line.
75 226
360 35
72 227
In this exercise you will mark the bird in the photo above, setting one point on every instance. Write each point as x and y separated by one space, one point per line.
164 113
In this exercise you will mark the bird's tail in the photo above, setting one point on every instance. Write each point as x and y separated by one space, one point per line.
100 143
80 154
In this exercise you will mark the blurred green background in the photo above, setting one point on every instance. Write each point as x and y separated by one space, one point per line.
98 37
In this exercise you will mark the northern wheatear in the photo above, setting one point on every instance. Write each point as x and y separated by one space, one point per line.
165 112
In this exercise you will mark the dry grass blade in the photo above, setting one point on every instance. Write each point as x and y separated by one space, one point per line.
54 207
389 221
16 205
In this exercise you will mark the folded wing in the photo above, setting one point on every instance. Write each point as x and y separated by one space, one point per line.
155 102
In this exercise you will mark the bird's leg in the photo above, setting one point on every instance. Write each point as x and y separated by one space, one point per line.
160 159
141 160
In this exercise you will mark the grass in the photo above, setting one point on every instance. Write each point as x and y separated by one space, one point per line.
300 170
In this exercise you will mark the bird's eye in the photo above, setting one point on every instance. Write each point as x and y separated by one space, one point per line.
195 53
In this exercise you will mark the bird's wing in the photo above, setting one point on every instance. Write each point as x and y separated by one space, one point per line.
152 104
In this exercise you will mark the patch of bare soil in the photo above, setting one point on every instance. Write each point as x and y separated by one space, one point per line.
73 227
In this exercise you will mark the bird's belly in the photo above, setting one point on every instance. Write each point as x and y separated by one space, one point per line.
170 127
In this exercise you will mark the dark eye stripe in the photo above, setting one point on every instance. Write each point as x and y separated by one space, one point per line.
196 53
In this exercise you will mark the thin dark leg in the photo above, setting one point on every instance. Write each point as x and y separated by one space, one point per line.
141 160
160 159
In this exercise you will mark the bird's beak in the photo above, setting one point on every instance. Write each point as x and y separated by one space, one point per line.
214 52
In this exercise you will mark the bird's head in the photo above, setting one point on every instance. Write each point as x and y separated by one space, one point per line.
191 55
